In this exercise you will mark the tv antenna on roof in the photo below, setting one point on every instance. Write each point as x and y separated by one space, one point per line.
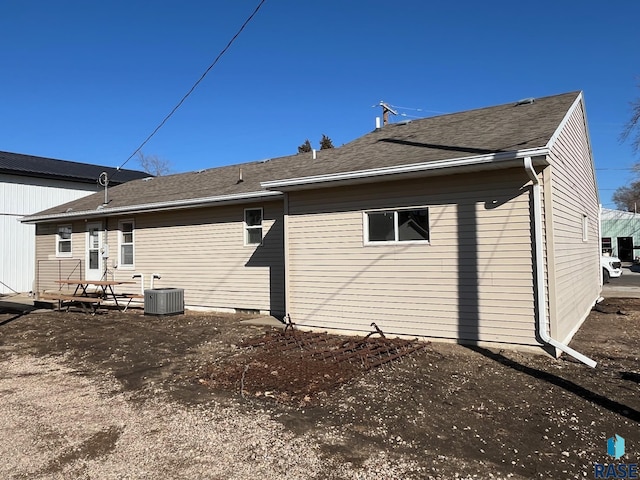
103 180
386 110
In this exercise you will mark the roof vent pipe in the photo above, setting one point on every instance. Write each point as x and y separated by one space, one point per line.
313 152
539 271
103 180
154 276
141 277
377 123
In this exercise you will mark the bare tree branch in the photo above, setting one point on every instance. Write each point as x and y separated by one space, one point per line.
632 127
628 198
154 165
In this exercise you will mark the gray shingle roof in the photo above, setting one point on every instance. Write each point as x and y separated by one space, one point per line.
503 128
41 167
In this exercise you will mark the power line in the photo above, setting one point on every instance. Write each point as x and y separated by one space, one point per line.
417 109
409 108
406 108
224 50
407 115
625 168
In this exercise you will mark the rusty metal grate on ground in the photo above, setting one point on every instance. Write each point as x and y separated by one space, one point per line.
302 367
368 352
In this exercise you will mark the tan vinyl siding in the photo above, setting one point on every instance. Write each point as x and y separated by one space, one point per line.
575 262
202 251
473 281
50 268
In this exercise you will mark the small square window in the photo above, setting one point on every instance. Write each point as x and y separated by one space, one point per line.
63 241
413 225
381 227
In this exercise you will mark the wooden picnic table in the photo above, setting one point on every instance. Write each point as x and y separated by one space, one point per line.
105 291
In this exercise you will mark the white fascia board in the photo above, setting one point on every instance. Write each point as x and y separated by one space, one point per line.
579 101
490 160
154 207
564 121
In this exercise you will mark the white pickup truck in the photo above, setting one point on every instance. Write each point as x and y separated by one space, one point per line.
611 267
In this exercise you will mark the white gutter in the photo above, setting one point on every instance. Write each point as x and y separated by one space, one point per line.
151 207
476 160
540 284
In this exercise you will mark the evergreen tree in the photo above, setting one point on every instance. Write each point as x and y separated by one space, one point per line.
325 142
305 147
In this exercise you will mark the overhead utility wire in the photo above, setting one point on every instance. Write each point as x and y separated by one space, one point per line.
407 115
409 108
625 168
416 109
224 50
406 108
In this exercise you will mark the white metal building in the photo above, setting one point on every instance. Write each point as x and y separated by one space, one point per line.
30 184
620 232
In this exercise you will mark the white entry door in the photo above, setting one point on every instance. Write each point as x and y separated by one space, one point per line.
94 262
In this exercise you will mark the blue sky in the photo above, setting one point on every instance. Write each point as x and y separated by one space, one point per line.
88 81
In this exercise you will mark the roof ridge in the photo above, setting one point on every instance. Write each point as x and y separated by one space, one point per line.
485 131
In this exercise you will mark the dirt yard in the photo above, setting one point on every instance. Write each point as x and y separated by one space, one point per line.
124 396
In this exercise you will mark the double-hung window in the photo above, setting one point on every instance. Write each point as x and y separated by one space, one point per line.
253 226
397 226
63 241
126 231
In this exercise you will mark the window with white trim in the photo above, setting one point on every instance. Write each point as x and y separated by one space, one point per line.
253 226
63 241
126 230
398 226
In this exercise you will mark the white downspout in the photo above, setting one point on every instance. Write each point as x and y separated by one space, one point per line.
540 284
600 237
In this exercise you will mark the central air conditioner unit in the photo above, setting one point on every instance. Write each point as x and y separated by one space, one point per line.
164 301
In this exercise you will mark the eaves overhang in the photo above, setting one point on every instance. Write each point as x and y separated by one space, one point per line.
48 176
106 211
86 180
498 160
